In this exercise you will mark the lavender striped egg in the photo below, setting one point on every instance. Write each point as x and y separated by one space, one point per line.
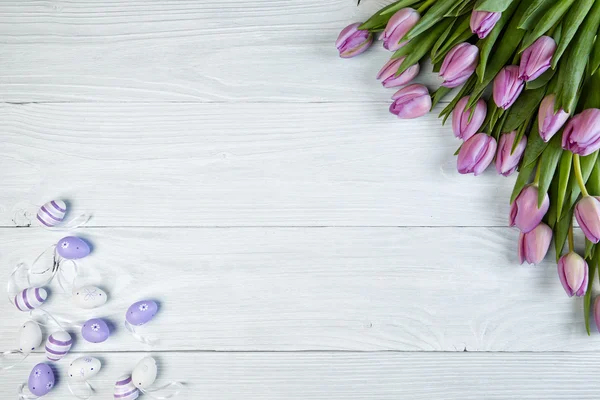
125 389
30 298
58 345
52 213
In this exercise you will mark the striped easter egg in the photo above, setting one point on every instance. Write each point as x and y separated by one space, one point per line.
30 298
125 389
52 213
58 345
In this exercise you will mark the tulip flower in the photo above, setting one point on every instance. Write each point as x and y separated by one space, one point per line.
587 214
397 27
463 124
524 211
482 22
573 274
476 154
534 245
507 86
550 122
388 77
582 133
459 64
412 101
536 58
507 160
596 310
353 41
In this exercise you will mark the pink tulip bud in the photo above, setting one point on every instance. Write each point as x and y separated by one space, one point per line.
524 211
534 245
388 73
476 154
397 27
463 125
536 58
582 133
550 122
573 274
587 214
412 101
352 41
482 22
507 86
507 161
459 64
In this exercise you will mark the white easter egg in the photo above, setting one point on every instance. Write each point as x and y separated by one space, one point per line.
144 373
58 345
30 337
52 213
83 368
125 390
89 297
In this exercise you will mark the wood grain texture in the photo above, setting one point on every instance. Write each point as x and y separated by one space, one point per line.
242 165
414 376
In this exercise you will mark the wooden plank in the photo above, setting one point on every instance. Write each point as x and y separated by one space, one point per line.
166 50
242 165
414 376
287 289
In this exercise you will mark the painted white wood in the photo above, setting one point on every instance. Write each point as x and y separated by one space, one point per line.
393 376
241 165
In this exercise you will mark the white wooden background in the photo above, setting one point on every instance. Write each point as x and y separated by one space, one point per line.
303 242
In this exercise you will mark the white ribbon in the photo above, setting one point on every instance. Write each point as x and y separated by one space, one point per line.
14 364
24 396
89 390
25 216
139 337
75 223
175 384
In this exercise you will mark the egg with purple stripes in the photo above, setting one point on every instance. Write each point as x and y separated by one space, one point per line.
141 312
52 213
30 298
41 380
72 248
95 330
125 389
58 345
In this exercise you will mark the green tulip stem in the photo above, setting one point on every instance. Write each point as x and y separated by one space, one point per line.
538 173
571 241
425 6
578 174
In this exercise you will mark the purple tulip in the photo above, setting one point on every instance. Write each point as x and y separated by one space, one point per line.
507 161
397 27
476 154
482 22
596 310
459 64
536 58
388 72
412 101
534 245
582 133
573 274
353 41
507 86
524 211
587 214
550 122
462 127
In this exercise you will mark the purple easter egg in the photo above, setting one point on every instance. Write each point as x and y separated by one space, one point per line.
125 389
41 379
141 312
52 213
72 248
95 330
30 298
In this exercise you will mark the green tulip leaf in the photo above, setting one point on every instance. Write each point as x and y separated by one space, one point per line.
493 5
564 172
550 18
392 8
589 248
535 146
380 19
588 165
431 18
551 216
534 13
467 87
547 165
541 80
460 9
421 47
525 106
587 298
561 231
594 63
455 34
571 22
523 178
438 95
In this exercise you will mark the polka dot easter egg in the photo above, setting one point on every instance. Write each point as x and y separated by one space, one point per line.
52 213
95 330
83 368
144 373
125 390
141 312
41 379
58 345
72 248
30 337
89 297
30 298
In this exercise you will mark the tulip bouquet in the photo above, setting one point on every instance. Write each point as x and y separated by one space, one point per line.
541 60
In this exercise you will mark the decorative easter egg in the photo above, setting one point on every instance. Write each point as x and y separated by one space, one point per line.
72 248
141 312
52 213
30 337
58 345
83 368
95 330
125 389
89 297
41 379
144 373
30 298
